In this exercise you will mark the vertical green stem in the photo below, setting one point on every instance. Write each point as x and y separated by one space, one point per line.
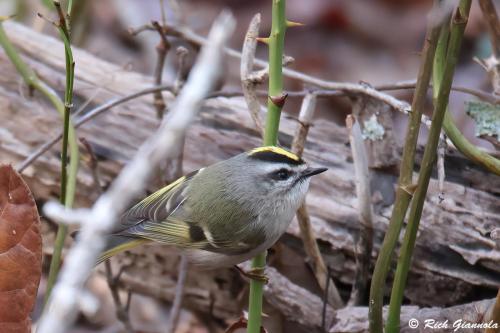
68 182
276 45
404 190
67 186
452 132
459 22
274 105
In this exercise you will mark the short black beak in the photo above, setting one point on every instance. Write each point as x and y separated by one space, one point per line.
312 171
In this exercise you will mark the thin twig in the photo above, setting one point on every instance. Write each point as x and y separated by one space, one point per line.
181 52
172 168
441 151
399 85
306 232
88 116
325 301
93 165
492 64
410 84
161 51
176 10
364 245
121 309
113 281
246 69
98 221
306 116
162 12
352 88
492 23
319 93
179 294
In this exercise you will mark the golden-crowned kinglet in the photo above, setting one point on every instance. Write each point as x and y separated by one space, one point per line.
223 214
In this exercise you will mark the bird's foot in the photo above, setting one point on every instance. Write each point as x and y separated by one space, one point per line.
256 273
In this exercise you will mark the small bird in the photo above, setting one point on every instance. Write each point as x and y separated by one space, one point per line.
223 214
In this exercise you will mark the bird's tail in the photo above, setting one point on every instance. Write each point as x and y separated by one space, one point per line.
117 243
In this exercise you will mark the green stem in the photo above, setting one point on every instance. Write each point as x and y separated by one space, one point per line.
276 46
467 148
459 140
68 183
256 295
459 22
70 7
274 106
404 189
68 186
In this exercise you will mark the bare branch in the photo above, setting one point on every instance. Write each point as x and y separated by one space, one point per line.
318 92
305 120
306 231
88 116
364 244
248 85
120 309
440 167
161 51
352 88
63 305
493 24
410 84
181 53
179 293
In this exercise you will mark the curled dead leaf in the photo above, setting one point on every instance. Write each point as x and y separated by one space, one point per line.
20 252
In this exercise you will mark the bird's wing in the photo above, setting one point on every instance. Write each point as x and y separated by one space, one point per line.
152 218
162 217
158 205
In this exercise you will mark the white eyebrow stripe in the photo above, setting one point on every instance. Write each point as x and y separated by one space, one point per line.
276 166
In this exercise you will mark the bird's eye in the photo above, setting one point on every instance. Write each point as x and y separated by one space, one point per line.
282 174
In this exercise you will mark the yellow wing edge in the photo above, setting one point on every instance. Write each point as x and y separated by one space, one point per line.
120 248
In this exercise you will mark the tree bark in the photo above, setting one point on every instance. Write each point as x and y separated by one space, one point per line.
454 257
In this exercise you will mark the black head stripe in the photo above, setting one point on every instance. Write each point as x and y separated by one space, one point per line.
271 156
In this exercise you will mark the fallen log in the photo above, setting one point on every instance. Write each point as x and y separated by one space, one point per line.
454 257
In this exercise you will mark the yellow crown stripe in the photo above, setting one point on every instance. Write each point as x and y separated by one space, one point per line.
276 150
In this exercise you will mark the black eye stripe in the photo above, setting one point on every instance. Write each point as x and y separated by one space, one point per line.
281 174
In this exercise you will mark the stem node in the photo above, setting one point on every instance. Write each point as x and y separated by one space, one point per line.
279 100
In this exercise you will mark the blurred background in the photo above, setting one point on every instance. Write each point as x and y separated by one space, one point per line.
376 42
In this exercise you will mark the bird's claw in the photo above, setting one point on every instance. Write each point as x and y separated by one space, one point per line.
256 273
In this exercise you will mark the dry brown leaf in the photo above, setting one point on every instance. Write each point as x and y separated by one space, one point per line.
20 252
